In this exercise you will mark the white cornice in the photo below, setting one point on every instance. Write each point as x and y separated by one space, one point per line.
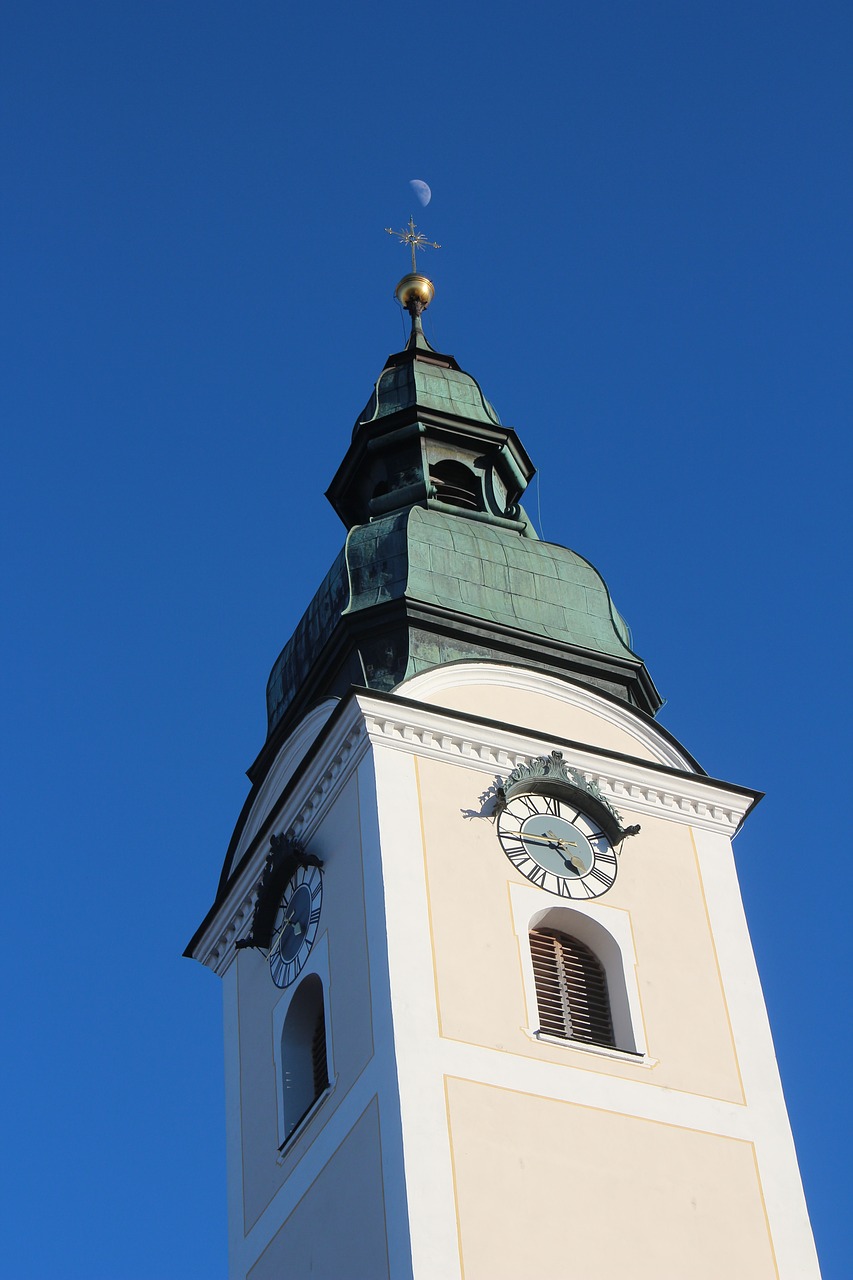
312 792
639 786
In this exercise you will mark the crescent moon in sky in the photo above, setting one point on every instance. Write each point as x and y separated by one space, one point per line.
421 190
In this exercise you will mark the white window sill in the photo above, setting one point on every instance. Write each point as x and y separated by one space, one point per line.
599 1050
286 1146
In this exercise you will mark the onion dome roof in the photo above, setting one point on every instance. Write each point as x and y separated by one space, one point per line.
413 379
414 590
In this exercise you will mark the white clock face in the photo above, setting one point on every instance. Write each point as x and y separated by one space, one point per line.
557 846
296 924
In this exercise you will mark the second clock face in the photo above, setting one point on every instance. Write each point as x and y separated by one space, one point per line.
557 846
296 924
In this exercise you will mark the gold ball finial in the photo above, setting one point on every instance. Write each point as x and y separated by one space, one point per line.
415 292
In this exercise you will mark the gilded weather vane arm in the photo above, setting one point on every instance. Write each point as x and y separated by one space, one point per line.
414 239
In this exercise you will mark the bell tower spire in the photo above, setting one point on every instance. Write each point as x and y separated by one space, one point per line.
442 561
471 1025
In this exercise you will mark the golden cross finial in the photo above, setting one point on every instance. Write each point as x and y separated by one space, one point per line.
414 239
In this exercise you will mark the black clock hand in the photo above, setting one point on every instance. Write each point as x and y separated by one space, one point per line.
573 860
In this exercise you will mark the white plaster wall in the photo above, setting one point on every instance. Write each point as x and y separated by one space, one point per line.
426 1147
433 888
707 1080
774 1143
343 935
337 1230
279 1201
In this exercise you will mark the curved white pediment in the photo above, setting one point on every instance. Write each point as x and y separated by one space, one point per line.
290 755
532 699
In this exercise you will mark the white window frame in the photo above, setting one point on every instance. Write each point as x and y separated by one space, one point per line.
317 963
607 932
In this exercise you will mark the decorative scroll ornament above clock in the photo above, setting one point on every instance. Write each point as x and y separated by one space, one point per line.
549 774
285 857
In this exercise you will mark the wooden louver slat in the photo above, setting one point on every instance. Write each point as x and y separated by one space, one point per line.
318 1054
571 989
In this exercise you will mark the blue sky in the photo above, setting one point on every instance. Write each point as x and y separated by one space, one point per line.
644 211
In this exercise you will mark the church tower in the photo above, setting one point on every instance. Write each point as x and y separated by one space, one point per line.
491 1007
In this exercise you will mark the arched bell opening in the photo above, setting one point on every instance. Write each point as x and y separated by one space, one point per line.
456 485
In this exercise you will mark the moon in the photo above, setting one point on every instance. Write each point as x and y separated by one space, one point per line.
421 190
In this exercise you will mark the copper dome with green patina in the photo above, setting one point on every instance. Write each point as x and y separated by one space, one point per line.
442 387
441 562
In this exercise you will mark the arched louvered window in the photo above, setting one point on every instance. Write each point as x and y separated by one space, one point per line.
456 484
303 1052
571 989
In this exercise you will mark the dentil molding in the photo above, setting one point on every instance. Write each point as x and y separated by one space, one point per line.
386 722
640 785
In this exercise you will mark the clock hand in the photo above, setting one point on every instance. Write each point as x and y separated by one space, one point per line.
574 862
548 838
289 919
565 843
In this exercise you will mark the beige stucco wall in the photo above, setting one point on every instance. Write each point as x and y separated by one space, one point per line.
496 1161
587 1193
349 1193
479 982
342 927
546 714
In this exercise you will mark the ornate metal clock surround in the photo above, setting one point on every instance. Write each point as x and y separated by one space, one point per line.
545 771
285 856
570 854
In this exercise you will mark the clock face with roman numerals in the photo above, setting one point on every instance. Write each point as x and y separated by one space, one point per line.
558 848
296 922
